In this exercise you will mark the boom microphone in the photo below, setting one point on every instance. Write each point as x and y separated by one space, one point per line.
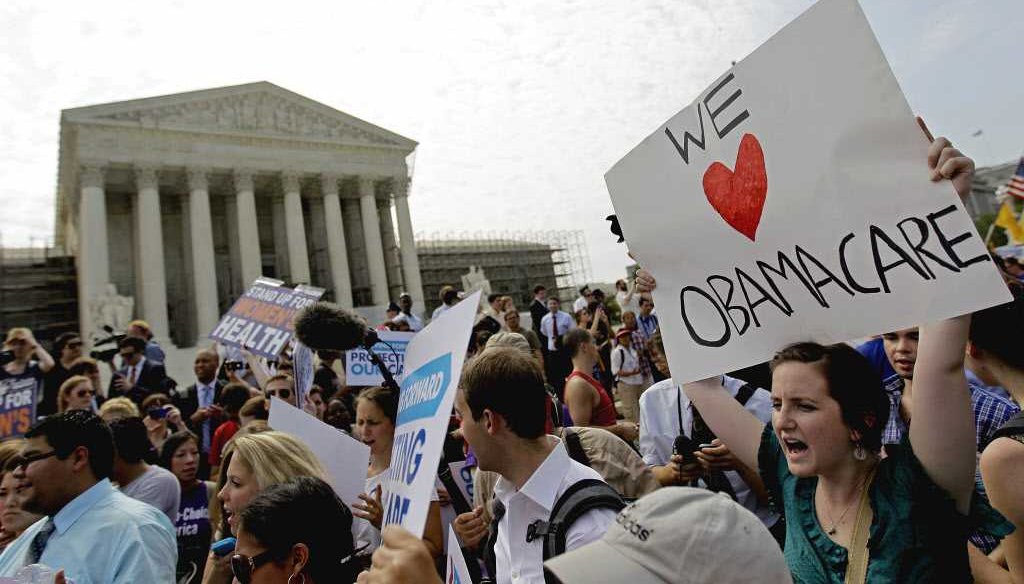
326 326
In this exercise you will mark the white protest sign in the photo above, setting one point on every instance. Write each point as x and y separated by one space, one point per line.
359 370
792 201
433 364
457 572
344 458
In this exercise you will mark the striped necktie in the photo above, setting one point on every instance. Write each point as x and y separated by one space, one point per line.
39 541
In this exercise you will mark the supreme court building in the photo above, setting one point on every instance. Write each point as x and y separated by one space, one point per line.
183 200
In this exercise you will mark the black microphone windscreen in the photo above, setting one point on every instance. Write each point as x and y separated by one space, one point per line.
326 326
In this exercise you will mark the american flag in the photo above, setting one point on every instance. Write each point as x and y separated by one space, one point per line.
1016 185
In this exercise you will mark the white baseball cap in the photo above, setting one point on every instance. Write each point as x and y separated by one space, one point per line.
678 535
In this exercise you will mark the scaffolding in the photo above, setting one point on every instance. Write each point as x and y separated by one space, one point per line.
38 289
513 261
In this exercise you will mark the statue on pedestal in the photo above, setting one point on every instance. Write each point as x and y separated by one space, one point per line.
111 309
475 280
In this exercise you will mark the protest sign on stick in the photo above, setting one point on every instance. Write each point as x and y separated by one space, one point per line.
433 364
344 458
792 201
262 320
359 370
17 406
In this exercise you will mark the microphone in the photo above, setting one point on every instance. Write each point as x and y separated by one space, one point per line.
326 326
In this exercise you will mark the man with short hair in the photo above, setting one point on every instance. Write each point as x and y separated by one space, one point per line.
646 321
138 479
142 330
538 307
406 315
582 300
501 402
93 532
990 410
281 386
512 325
200 404
589 403
67 348
138 376
553 327
449 296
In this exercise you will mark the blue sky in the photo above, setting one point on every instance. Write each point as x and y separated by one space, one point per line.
520 106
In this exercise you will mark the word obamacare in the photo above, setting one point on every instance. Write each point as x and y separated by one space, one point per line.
917 245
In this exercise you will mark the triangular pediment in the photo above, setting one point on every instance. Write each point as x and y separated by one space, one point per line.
255 108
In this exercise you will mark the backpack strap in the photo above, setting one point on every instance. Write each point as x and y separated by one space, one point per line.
745 393
577 500
575 447
1011 428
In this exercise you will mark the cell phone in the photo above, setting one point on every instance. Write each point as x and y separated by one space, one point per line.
233 365
684 446
157 413
705 445
223 547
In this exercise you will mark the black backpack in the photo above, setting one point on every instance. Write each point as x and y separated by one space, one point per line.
578 499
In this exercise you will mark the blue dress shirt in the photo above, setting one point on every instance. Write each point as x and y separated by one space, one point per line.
102 537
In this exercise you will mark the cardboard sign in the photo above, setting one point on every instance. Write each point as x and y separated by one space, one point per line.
434 360
344 458
262 320
457 572
359 370
792 201
17 405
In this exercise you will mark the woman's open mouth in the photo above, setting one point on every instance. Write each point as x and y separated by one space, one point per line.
793 446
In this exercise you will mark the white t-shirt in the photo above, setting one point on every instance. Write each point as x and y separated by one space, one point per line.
521 562
633 305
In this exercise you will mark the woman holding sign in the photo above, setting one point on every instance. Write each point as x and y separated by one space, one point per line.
376 412
820 454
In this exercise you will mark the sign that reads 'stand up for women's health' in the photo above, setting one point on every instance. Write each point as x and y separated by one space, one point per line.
792 201
433 363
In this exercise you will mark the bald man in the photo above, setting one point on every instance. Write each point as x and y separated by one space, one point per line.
200 404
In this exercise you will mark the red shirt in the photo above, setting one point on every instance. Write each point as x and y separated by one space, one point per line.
224 433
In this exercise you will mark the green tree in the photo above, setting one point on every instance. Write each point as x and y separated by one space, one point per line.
984 223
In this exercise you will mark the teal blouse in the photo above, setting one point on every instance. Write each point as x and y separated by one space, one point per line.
917 535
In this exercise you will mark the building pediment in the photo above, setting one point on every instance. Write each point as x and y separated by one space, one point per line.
262 109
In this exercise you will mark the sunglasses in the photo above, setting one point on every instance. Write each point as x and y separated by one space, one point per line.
281 393
74 344
243 566
84 393
27 460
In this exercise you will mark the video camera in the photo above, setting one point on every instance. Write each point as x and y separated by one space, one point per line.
102 349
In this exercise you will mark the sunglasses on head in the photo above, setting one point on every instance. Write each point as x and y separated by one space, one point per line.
243 566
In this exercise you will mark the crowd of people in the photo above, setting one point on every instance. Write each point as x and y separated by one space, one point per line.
895 459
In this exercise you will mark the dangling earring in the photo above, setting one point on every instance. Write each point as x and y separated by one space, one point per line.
858 451
300 574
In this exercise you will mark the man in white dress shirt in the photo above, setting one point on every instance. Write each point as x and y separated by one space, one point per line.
666 412
502 405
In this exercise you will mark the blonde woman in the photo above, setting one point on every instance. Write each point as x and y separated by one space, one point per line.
118 407
253 462
76 393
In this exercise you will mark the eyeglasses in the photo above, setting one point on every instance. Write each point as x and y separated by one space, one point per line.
243 566
27 460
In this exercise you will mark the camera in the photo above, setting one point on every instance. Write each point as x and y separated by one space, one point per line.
102 351
233 365
6 357
158 413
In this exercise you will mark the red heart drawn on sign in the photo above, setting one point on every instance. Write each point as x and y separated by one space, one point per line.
739 195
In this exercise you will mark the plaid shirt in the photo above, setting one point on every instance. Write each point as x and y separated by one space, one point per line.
990 412
641 344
